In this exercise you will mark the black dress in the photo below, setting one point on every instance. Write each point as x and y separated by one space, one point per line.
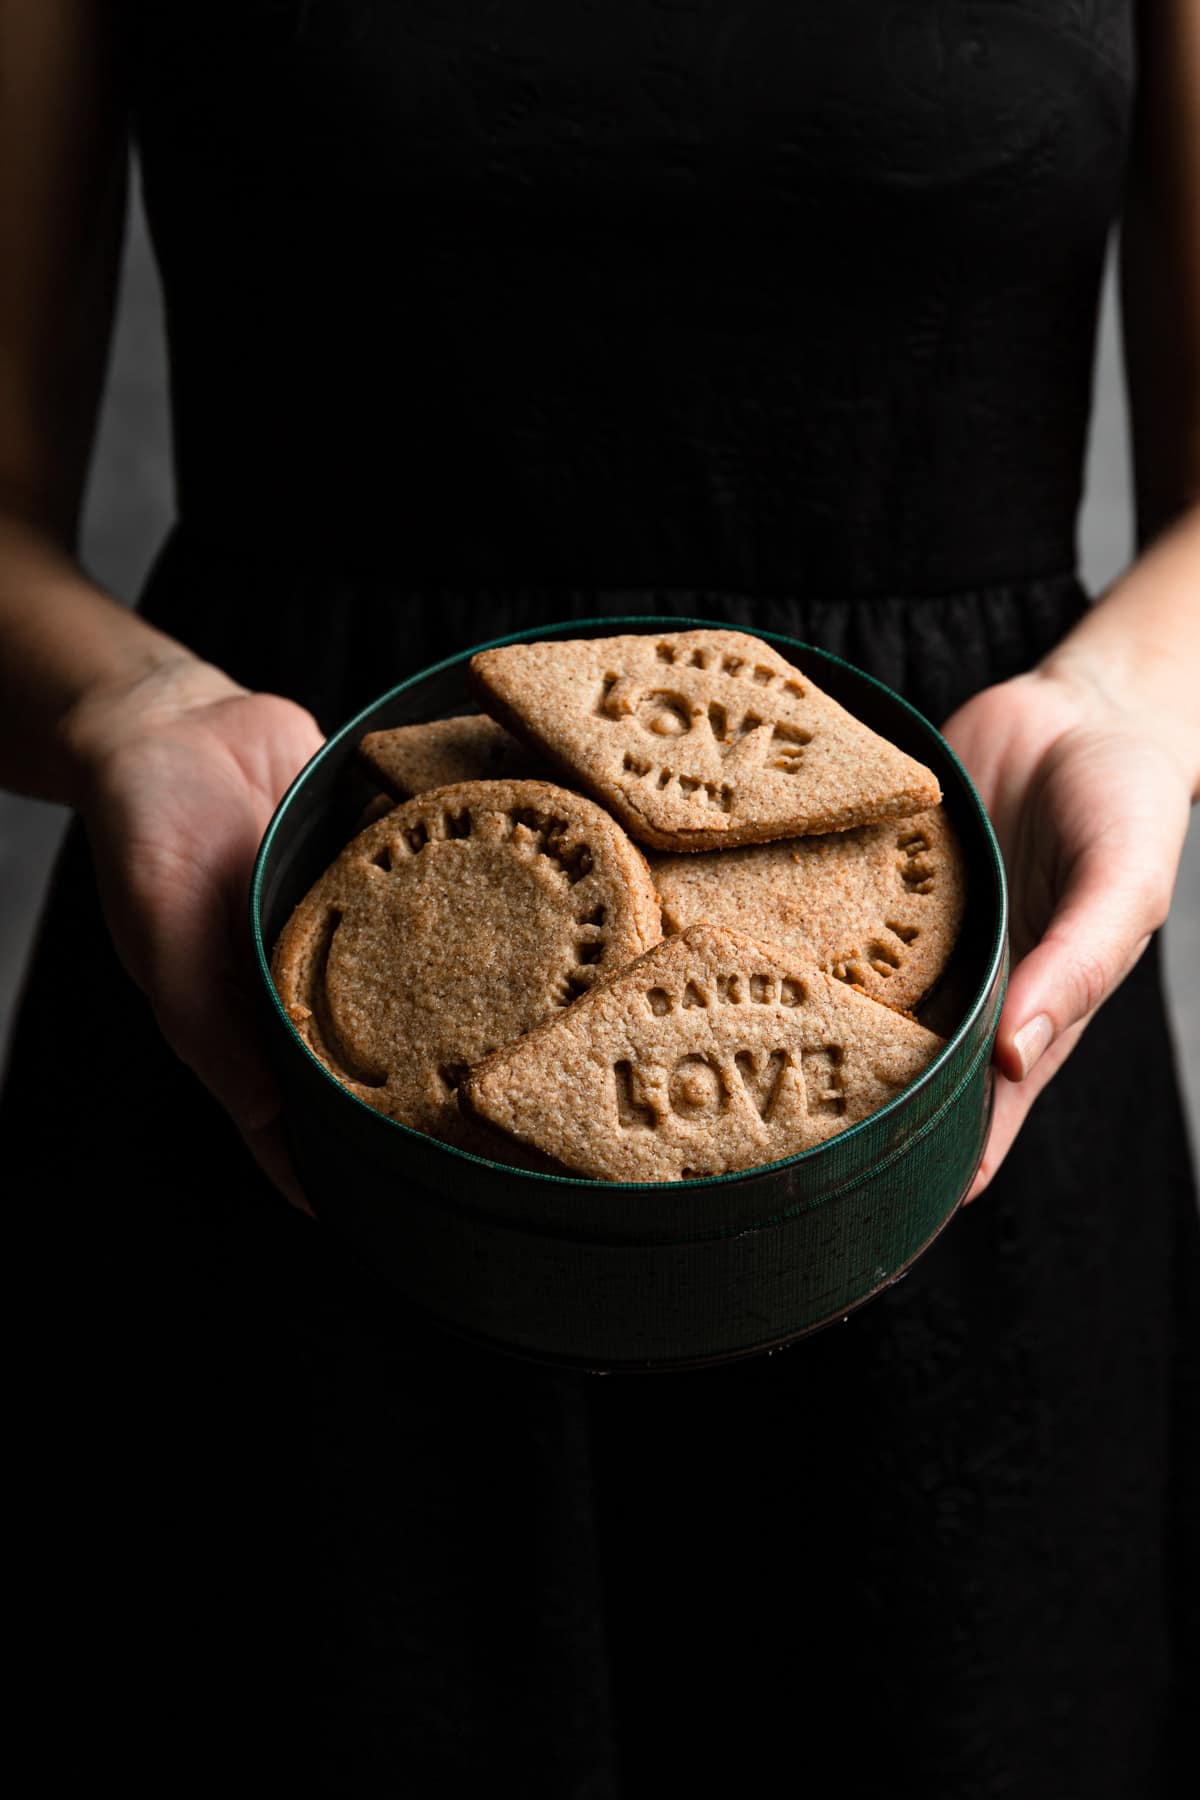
486 312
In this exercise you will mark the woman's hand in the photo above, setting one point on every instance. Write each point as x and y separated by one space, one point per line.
180 772
1090 804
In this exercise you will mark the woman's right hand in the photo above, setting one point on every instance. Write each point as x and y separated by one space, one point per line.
179 772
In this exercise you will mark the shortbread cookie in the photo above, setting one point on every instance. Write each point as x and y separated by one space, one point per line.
710 1053
700 739
879 906
452 925
410 759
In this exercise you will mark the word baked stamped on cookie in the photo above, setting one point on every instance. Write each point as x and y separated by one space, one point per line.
879 907
708 1054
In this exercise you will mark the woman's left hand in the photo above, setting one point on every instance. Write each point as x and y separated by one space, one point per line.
1090 804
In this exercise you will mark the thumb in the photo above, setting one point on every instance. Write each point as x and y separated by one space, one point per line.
1103 921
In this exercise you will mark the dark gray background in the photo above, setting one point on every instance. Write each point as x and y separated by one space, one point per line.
129 504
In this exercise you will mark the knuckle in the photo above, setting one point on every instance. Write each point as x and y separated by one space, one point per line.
1091 979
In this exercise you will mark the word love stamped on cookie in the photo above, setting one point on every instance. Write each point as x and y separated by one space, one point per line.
700 739
711 1053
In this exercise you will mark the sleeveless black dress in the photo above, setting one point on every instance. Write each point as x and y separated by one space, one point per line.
487 312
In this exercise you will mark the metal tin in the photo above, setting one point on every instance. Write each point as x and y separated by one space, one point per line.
614 1276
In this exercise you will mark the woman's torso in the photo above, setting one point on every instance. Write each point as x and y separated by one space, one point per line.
767 299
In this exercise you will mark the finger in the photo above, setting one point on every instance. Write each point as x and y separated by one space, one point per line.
202 986
1109 909
1008 1115
1011 1103
223 1054
268 1147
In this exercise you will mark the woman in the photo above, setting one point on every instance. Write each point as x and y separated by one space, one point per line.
481 315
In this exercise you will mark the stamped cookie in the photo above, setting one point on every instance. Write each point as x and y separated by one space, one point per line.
879 906
710 1053
453 924
410 759
700 739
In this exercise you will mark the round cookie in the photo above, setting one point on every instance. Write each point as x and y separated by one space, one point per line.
879 907
451 926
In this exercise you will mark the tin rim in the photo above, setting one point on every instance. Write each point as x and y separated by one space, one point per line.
642 624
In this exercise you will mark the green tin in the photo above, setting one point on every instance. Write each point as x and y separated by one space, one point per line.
612 1276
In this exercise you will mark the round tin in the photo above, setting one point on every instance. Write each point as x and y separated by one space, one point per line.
614 1276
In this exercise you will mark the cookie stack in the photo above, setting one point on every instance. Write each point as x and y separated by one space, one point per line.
665 910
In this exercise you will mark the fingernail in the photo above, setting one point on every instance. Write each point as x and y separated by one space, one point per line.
1032 1042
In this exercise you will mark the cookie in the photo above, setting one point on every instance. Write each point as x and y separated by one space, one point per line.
710 1053
700 739
410 759
452 925
879 906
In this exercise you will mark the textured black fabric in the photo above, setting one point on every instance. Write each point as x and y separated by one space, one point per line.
758 296
486 313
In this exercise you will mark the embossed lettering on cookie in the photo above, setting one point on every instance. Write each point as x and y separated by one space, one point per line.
709 1053
880 907
452 925
700 739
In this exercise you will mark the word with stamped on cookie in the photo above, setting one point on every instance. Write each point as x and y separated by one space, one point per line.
700 739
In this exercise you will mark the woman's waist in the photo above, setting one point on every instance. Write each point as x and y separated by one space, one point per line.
762 540
333 629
